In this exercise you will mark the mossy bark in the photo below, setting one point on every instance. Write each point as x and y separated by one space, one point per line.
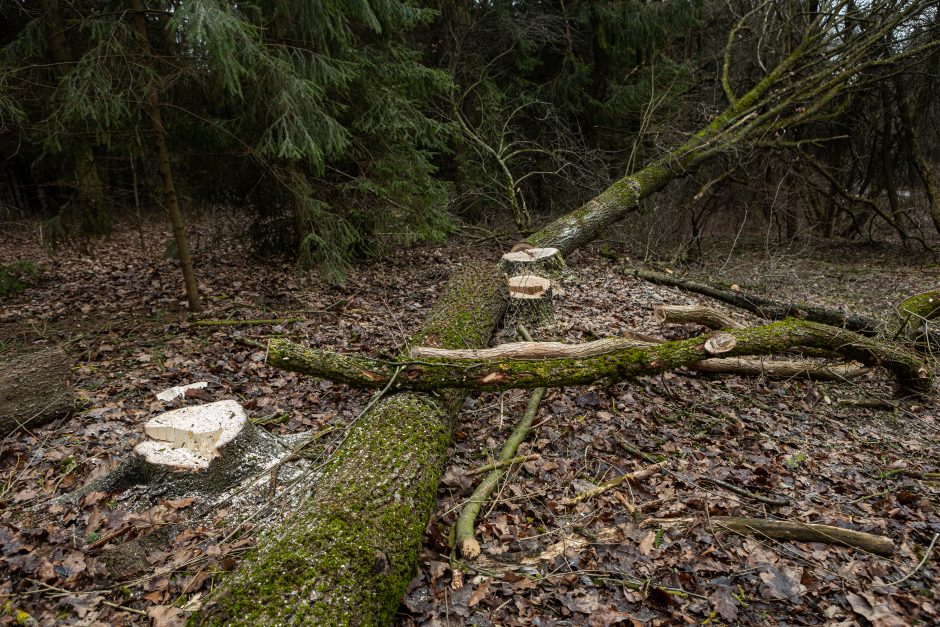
346 555
633 361
34 389
924 306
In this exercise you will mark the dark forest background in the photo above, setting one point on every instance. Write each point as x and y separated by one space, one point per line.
333 130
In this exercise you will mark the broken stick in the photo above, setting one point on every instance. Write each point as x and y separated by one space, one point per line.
789 530
464 533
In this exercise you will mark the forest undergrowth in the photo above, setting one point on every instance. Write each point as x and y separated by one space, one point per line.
848 454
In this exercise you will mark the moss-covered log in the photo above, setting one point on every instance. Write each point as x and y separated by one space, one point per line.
632 361
924 306
34 389
345 556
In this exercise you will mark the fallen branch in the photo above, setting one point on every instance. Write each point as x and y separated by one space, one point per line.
618 364
766 308
694 314
532 350
464 528
920 564
464 536
787 530
789 369
643 473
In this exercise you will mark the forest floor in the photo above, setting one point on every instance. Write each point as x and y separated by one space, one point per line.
118 311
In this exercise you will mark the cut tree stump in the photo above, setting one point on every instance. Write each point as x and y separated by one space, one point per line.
202 450
530 301
34 389
538 261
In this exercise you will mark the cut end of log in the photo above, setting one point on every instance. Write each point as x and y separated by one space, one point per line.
469 548
529 286
659 314
529 255
720 343
188 439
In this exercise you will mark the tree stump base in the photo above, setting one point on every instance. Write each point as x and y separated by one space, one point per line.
530 301
201 451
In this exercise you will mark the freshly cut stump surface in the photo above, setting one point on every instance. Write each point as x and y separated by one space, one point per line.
190 438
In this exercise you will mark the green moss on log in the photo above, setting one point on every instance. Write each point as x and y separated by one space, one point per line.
351 549
925 306
347 554
501 374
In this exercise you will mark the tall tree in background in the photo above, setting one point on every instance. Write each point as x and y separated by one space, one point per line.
315 115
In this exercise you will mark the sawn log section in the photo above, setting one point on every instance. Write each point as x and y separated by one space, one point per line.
615 363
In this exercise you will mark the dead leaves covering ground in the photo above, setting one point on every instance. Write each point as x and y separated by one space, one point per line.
117 311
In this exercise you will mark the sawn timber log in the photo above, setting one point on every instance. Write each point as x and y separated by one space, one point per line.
348 551
616 363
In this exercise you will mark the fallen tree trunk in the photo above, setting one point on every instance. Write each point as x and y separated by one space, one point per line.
502 373
34 390
347 553
766 308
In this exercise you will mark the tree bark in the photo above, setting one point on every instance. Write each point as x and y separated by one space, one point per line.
618 364
34 390
347 553
87 180
165 168
924 306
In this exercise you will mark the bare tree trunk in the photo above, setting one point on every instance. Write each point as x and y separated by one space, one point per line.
87 180
166 173
924 169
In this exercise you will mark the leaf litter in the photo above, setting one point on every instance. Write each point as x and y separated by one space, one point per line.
118 311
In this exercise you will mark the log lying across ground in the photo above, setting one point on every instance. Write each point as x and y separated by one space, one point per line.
34 389
496 373
347 553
